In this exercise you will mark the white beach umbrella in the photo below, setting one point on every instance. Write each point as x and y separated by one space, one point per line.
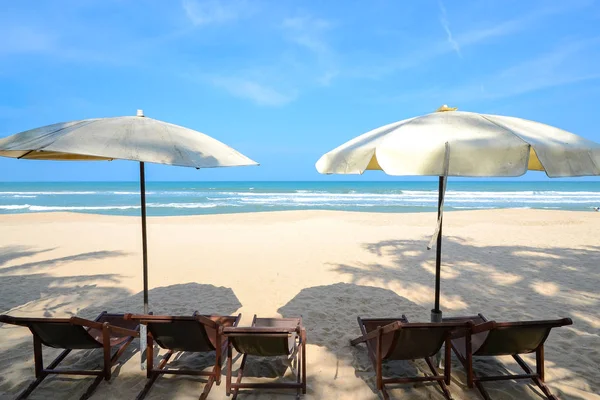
456 143
125 138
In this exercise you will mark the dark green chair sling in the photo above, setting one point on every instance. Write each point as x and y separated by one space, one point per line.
268 337
196 333
397 339
490 338
105 332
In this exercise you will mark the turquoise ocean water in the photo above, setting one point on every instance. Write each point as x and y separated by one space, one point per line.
186 198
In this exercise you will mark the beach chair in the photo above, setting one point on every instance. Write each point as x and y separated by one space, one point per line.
489 338
105 332
268 337
397 339
196 333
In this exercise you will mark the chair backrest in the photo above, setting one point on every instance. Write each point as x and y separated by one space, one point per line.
267 337
59 333
509 338
181 335
263 343
191 333
407 341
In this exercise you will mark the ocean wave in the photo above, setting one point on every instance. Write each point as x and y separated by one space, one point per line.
81 208
15 207
28 193
117 207
189 205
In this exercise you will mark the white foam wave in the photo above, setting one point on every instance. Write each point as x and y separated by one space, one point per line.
186 205
81 208
15 207
50 193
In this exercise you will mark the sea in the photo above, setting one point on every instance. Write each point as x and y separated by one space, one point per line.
191 198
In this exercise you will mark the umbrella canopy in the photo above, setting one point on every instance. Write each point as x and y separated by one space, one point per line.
480 145
455 143
125 138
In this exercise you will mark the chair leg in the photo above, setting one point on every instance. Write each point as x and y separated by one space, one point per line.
37 357
39 366
298 363
219 352
207 387
447 361
154 375
303 362
149 356
539 362
469 362
379 366
539 358
239 377
441 383
106 348
229 366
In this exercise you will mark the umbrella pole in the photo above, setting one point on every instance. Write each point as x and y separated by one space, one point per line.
143 337
436 313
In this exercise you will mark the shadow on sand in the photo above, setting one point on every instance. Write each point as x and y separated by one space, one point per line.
529 283
25 283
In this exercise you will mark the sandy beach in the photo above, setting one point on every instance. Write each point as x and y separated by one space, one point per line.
328 267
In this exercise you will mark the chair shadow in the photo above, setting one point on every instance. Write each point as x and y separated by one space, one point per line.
527 283
181 299
332 324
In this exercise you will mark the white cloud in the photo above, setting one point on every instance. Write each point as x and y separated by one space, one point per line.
308 33
212 12
472 37
569 63
259 93
446 26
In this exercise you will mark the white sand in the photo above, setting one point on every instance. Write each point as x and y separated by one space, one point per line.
327 266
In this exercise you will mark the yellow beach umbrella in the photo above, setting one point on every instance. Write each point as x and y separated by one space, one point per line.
456 143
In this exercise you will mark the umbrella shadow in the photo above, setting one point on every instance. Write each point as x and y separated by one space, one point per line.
329 314
29 282
520 282
181 299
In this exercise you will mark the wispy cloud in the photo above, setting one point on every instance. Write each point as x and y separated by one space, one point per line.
213 12
258 93
446 26
470 37
569 63
308 32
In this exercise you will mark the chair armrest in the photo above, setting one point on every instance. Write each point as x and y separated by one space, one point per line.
375 333
486 326
123 331
206 321
86 322
8 319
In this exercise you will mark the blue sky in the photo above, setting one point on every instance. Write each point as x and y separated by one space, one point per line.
285 81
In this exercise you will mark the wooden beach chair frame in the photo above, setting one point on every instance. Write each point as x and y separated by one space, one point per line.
502 330
214 323
277 335
80 331
388 328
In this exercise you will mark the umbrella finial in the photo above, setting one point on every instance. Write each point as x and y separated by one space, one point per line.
446 108
140 113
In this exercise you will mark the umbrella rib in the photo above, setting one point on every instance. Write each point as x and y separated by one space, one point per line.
26 154
519 137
